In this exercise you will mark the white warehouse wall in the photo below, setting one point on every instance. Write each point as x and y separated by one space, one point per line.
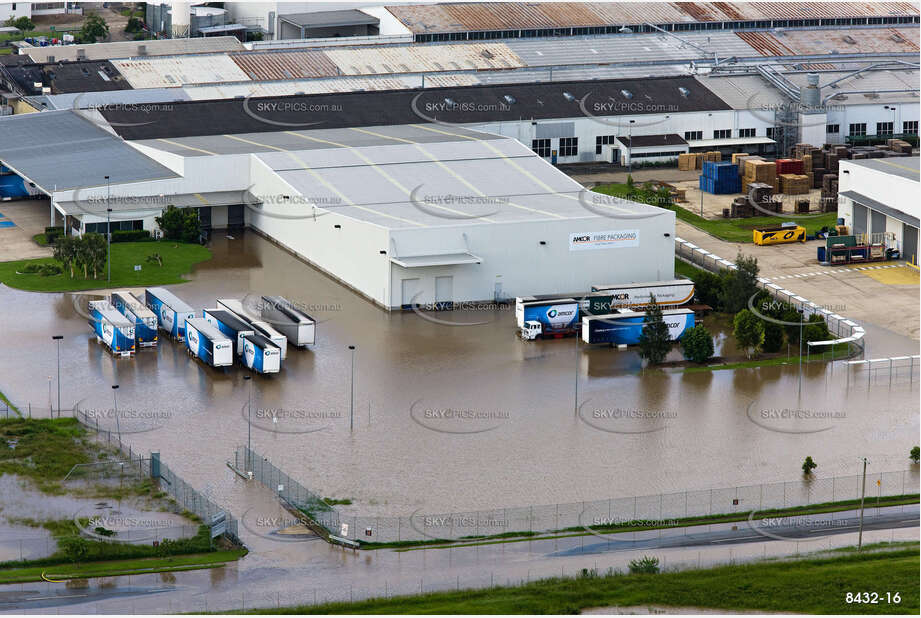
23 9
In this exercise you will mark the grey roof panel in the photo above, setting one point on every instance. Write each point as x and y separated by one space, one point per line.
903 167
322 19
62 150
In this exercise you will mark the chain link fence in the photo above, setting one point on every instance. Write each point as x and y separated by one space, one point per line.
590 516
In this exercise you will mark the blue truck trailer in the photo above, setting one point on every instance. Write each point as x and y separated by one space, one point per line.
170 310
286 317
625 326
145 321
556 317
206 342
230 325
260 326
260 354
111 328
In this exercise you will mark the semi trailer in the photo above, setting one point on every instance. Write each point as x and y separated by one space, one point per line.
605 298
145 321
547 318
625 326
230 325
206 342
260 354
283 315
170 310
262 327
111 328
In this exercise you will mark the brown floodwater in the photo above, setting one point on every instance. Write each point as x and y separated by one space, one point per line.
452 417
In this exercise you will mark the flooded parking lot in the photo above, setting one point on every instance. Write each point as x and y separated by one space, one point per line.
451 417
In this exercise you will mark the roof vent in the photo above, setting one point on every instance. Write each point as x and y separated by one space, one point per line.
487 54
684 91
300 92
81 54
569 97
450 101
509 99
142 50
849 39
627 94
50 58
897 37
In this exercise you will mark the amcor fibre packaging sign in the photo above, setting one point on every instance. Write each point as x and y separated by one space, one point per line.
584 241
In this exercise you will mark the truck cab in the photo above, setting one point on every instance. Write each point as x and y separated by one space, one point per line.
531 330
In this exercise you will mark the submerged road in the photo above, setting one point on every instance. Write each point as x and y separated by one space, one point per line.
279 573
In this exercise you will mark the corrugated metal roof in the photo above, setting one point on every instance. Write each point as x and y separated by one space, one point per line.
424 58
745 92
870 80
130 49
62 150
492 16
176 71
86 100
280 89
285 65
826 41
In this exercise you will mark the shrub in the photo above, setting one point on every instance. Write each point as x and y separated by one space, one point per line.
133 25
707 287
52 233
740 284
131 236
697 344
809 465
748 331
773 337
644 565
180 224
915 454
49 270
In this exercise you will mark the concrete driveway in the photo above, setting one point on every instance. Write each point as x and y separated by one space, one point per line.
29 217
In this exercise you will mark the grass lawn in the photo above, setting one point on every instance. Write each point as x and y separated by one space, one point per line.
813 585
178 259
110 568
731 230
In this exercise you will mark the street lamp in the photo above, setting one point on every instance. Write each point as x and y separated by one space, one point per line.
118 429
630 147
249 423
863 492
108 235
352 393
58 339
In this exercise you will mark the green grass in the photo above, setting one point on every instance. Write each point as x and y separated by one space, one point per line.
178 259
46 449
731 230
40 239
111 568
814 585
838 351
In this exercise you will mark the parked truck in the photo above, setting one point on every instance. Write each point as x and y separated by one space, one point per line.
260 354
206 342
171 311
145 321
262 327
230 325
111 328
605 298
557 317
283 315
625 326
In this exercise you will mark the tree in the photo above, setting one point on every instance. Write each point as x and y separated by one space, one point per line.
180 224
20 23
739 284
707 288
65 252
815 329
134 25
773 337
809 466
748 331
95 253
94 27
645 565
915 454
655 341
697 344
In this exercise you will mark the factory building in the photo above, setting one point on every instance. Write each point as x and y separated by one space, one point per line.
880 197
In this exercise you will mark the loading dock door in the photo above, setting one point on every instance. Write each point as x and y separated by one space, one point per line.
860 219
444 292
235 215
409 289
877 222
909 243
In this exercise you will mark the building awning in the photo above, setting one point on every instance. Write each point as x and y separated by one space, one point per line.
224 28
154 203
439 259
889 211
729 141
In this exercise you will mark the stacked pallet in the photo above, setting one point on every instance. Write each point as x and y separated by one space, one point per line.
830 193
720 177
898 145
802 206
713 156
687 161
759 171
760 195
794 184
741 162
737 155
741 208
789 166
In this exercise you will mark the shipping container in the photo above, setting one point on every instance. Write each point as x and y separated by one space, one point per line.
262 327
111 328
284 316
260 354
209 344
625 327
171 311
230 325
145 320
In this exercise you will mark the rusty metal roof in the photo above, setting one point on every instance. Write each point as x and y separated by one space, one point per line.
845 41
492 16
265 66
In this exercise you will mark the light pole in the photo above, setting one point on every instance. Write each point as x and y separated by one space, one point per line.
352 393
118 429
108 235
863 492
630 147
58 339
249 423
